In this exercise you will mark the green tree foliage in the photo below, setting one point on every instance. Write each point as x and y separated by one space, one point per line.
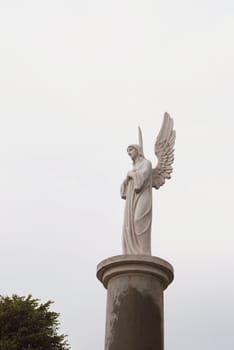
26 324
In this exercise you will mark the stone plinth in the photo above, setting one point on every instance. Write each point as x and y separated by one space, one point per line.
134 315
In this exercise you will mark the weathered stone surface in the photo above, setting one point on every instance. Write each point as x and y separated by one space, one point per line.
135 284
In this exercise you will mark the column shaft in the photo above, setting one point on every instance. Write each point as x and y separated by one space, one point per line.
134 314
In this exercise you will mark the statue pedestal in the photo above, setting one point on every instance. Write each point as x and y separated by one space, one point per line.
134 315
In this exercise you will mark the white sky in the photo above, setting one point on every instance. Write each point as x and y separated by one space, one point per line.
76 79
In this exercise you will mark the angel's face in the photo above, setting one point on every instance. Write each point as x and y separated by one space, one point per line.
132 152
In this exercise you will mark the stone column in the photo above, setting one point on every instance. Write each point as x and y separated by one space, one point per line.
134 315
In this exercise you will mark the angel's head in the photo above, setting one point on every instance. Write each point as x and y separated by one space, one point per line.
135 151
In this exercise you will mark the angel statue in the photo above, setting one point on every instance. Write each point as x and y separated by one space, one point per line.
137 188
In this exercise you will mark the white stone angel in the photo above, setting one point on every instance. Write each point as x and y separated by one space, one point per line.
137 188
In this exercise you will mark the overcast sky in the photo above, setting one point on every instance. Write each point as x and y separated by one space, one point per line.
76 79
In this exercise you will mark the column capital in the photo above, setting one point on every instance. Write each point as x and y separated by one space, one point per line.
135 264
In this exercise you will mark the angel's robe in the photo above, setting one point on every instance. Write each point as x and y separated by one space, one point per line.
138 209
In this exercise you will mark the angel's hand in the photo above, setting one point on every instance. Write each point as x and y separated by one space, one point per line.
130 174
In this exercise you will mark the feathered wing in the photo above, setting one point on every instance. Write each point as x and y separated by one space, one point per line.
164 151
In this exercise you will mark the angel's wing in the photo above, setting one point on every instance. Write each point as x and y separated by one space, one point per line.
164 150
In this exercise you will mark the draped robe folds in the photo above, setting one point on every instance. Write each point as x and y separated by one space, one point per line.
137 191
